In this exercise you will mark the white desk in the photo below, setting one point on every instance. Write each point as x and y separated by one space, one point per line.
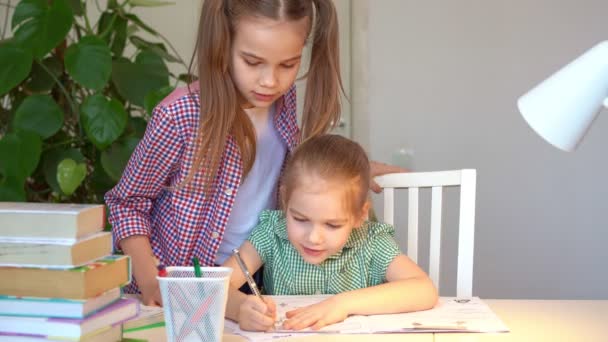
543 320
528 320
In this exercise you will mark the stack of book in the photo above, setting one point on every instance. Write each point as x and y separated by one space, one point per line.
58 279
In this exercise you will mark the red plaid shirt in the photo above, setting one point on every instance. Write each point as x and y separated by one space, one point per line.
182 223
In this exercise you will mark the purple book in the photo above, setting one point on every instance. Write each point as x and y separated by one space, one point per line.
122 310
108 334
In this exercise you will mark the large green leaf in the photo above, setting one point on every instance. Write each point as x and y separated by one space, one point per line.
39 26
15 65
19 154
135 80
103 120
70 175
12 190
154 97
119 40
187 78
51 160
112 28
100 181
151 59
135 20
105 24
115 158
28 9
77 7
40 80
137 126
89 62
113 4
39 114
157 48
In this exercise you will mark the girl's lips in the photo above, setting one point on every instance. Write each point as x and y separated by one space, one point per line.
312 252
263 97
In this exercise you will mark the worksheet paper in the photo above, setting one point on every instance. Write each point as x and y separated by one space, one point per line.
451 314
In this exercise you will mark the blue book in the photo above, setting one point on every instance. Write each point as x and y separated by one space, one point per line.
56 307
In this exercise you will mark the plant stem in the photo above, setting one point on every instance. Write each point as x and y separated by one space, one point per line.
63 143
62 88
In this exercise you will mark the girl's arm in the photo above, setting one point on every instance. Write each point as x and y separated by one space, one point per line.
249 311
131 201
144 267
407 289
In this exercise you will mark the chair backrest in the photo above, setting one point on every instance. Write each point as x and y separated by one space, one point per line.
413 181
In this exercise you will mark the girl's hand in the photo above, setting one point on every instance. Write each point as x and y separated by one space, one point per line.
257 315
143 264
150 292
316 316
379 169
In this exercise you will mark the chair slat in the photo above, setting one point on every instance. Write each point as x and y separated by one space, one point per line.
435 238
420 179
389 206
412 224
466 234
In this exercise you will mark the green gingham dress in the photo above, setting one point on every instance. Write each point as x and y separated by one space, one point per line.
362 262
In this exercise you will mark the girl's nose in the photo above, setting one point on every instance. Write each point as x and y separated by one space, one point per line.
316 236
268 78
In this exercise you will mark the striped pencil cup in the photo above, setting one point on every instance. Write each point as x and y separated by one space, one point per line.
194 307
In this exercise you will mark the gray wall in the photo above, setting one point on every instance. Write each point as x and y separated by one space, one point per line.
444 77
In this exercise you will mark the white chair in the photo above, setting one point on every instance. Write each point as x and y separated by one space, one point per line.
413 181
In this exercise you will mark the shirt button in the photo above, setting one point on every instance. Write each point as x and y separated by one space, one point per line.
215 235
228 191
318 292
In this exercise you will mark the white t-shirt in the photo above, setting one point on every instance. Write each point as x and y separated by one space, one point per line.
258 191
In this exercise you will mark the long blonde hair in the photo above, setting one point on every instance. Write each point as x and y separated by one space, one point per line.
220 101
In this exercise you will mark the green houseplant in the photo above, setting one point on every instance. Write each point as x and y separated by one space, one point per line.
75 95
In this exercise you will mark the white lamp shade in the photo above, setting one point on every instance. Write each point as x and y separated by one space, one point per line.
562 108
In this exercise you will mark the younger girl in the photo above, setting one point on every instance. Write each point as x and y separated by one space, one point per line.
320 243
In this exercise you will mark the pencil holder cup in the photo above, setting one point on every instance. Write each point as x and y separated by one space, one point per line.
194 307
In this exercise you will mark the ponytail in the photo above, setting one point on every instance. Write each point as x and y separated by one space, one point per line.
324 83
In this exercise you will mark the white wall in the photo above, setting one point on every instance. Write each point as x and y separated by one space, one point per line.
444 77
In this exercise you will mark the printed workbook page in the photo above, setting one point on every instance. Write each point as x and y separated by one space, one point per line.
449 315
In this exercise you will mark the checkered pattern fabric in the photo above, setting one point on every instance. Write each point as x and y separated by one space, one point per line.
182 223
362 262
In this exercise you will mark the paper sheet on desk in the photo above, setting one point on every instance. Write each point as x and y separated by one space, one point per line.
449 315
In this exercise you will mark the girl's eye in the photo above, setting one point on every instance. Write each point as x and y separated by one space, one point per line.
251 63
334 226
300 219
290 66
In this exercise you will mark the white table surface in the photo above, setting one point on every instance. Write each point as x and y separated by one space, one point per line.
528 320
543 320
